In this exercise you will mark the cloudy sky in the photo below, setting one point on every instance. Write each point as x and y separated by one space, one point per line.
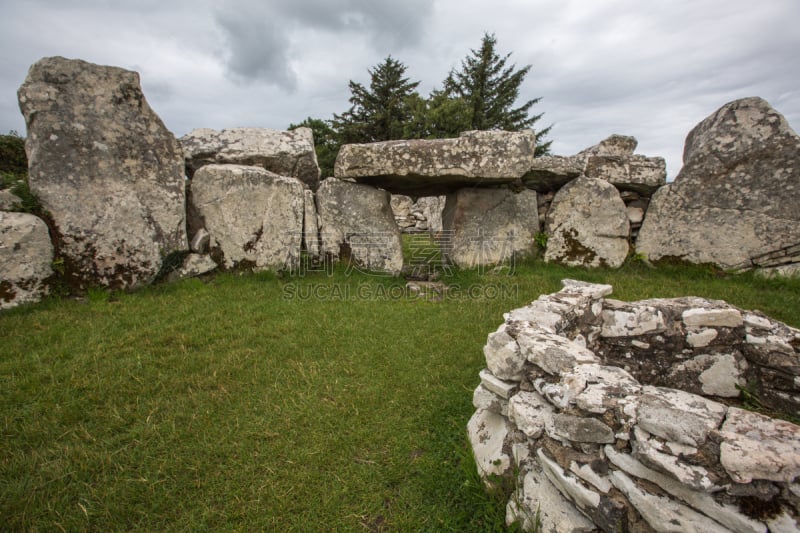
651 69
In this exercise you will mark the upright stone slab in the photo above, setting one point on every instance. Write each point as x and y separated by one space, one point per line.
587 225
26 258
488 226
107 170
357 225
254 217
737 195
288 153
430 167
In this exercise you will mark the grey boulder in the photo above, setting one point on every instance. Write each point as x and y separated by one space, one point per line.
288 153
107 170
587 225
26 258
254 217
737 196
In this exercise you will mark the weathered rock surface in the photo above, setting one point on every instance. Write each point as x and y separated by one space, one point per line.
614 145
193 265
737 195
756 446
357 225
633 173
612 159
254 217
287 153
8 200
438 166
587 225
551 172
488 432
488 226
105 167
26 258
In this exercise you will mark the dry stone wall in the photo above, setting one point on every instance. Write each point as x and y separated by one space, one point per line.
618 416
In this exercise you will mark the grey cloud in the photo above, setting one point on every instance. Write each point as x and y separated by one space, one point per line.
259 36
257 49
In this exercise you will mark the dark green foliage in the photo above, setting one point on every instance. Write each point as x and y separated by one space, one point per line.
491 89
326 143
12 154
440 116
380 112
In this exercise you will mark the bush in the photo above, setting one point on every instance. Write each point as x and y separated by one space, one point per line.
12 154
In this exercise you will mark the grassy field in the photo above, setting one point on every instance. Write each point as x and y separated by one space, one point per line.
264 402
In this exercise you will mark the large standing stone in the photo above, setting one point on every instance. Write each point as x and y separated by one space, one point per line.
489 226
254 217
107 170
587 225
428 167
356 221
26 257
737 195
288 153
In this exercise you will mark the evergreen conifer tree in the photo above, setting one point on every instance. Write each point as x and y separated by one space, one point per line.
490 89
380 112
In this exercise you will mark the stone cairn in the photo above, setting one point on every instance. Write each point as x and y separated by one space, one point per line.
128 209
617 416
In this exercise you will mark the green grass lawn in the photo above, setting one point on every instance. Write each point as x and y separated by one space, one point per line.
263 402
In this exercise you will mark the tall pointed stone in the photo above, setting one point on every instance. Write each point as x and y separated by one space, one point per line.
107 170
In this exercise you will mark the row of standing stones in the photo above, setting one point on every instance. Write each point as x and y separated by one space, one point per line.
610 416
123 196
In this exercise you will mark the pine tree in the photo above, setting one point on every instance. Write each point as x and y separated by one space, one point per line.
491 89
381 112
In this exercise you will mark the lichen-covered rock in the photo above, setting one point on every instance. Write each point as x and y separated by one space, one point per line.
107 170
737 195
679 416
551 172
438 166
357 225
489 226
26 257
633 173
287 153
587 225
614 145
254 217
488 433
757 447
